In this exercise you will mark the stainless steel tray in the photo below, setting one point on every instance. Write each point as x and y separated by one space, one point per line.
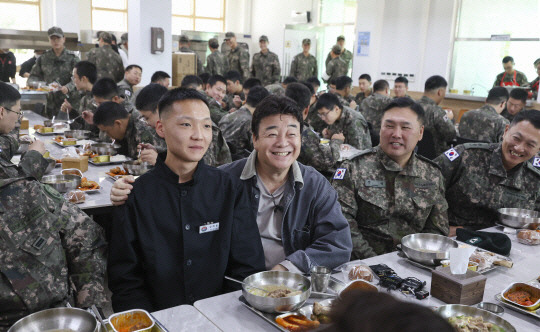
270 318
53 133
534 313
158 327
108 162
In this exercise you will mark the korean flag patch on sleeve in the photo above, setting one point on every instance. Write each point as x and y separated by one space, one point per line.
536 161
340 173
451 154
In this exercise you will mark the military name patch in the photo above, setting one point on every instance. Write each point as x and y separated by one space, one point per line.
451 154
536 162
375 183
424 185
340 173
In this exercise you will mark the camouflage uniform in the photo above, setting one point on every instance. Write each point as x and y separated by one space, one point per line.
360 96
321 156
239 61
216 111
477 185
483 124
266 67
125 90
32 163
236 129
50 68
345 55
441 128
314 120
384 202
137 132
217 63
86 104
228 99
135 115
345 101
200 68
372 109
218 152
354 127
521 79
109 63
505 114
51 252
335 68
160 144
303 67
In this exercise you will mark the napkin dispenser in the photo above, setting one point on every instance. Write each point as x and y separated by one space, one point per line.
451 288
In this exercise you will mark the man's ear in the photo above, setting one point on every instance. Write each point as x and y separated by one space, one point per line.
159 128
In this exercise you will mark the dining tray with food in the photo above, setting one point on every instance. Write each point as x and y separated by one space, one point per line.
157 327
114 160
67 143
522 297
50 133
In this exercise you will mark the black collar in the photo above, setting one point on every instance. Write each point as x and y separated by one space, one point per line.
171 176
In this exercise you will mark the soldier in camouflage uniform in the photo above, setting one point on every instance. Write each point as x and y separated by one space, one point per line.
364 84
215 91
516 103
236 126
56 65
342 120
265 65
132 77
437 121
216 62
343 91
336 67
51 252
238 57
345 54
218 152
481 178
388 191
304 65
486 124
108 62
510 76
372 107
32 162
183 47
235 91
401 86
128 131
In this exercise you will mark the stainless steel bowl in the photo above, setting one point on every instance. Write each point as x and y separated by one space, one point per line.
23 146
62 183
104 148
518 218
491 307
427 248
135 167
50 166
48 123
78 134
277 305
57 319
452 310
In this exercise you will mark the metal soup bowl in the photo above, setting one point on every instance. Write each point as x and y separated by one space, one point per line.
427 248
57 319
78 134
62 183
291 280
518 218
104 148
135 167
453 310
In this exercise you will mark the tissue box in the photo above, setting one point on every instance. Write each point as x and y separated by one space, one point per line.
24 123
451 288
80 163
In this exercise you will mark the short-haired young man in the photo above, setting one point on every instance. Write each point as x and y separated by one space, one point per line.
236 126
216 62
113 119
161 78
510 76
486 123
235 91
481 178
401 86
215 91
108 61
438 121
515 104
372 107
32 162
364 84
173 243
132 77
388 191
343 91
314 81
342 122
192 82
249 83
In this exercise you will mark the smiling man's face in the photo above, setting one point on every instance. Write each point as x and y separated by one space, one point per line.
520 143
400 132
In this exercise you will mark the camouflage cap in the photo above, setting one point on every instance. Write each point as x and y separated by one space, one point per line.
341 38
306 41
229 35
55 31
183 39
106 37
124 38
263 38
336 49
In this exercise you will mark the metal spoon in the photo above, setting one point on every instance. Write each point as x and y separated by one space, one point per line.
243 283
98 316
71 121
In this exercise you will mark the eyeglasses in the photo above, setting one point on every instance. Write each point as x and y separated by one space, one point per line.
19 113
324 115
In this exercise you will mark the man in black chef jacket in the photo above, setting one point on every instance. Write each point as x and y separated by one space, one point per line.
185 225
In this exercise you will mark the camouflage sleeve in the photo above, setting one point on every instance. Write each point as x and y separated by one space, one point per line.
216 113
8 144
223 153
276 73
316 69
501 126
443 126
322 157
210 66
522 79
328 59
200 68
349 207
437 221
451 170
33 164
91 56
292 72
358 134
84 245
497 81
244 64
36 74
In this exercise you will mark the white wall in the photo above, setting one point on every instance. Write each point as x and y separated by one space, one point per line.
144 14
60 13
413 36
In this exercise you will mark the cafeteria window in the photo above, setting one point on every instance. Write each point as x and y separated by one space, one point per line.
481 41
31 20
109 15
198 15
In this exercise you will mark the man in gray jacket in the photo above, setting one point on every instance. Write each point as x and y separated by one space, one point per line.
298 215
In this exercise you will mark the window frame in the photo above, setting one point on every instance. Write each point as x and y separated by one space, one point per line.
115 10
194 17
30 2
